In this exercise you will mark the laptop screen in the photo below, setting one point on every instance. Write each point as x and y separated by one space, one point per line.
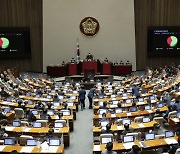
37 124
149 136
106 140
9 141
141 99
31 142
49 97
100 103
16 123
126 121
169 134
147 119
56 104
160 105
128 101
115 102
70 104
118 110
7 109
50 112
101 111
54 142
30 102
129 138
66 113
8 99
147 107
178 115
60 97
58 125
104 123
152 98
133 109
124 95
35 112
73 97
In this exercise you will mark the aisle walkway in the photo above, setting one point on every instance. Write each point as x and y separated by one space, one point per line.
81 138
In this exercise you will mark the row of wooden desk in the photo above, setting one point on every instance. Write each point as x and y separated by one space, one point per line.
93 67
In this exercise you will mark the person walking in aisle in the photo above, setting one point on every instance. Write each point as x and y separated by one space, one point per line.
82 97
90 96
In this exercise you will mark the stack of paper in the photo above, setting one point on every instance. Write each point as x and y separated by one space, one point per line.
128 145
97 148
28 149
170 141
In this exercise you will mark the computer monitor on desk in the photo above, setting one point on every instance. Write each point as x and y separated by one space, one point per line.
16 123
149 136
129 138
146 119
37 124
126 121
9 141
54 142
106 140
169 134
31 142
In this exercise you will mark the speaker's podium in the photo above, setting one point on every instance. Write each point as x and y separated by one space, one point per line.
106 68
89 67
72 69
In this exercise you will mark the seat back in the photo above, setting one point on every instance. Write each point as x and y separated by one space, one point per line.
159 120
103 137
137 135
24 123
62 121
178 151
138 119
43 122
23 139
172 114
19 113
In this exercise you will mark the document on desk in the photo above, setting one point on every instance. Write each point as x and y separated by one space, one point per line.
95 100
176 119
26 130
128 145
2 147
128 114
27 149
12 104
57 130
113 99
97 148
140 103
141 125
113 115
9 128
150 111
170 141
119 127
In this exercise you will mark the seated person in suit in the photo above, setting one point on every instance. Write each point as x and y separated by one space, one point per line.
56 99
51 135
135 150
109 147
39 106
135 91
108 130
73 60
104 106
89 57
127 129
174 147
20 105
155 130
133 108
63 63
31 117
61 93
106 60
115 63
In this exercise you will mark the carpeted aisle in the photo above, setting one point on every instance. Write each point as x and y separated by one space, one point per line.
81 138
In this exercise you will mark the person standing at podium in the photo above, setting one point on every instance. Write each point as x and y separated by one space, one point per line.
89 57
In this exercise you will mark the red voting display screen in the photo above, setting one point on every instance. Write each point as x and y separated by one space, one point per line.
15 42
163 41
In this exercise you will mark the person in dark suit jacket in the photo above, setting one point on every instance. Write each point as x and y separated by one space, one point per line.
174 147
89 57
109 147
135 91
82 97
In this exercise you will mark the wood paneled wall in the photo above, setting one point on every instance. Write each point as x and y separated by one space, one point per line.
24 13
28 13
154 13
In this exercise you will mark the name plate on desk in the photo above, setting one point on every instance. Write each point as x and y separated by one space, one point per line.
119 127
170 141
128 114
128 145
97 148
141 125
27 149
113 115
9 128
